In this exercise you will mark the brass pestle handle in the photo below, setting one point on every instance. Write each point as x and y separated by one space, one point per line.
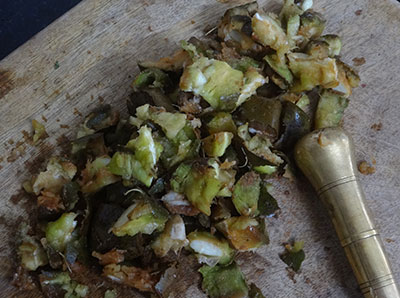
326 157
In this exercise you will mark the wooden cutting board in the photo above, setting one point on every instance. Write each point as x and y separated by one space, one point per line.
89 56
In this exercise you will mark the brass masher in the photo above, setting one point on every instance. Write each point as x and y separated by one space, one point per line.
326 157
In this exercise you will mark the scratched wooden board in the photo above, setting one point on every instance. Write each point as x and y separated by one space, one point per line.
89 56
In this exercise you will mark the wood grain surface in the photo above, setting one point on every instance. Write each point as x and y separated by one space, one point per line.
89 56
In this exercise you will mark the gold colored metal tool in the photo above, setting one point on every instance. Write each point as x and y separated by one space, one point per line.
326 157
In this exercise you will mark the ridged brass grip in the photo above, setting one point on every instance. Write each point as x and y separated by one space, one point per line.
326 158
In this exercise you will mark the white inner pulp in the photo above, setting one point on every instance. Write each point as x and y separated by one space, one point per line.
205 248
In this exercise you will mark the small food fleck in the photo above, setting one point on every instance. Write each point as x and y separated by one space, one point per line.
56 65
293 255
17 152
358 12
376 126
39 131
76 112
358 61
388 240
114 256
291 274
365 168
44 118
64 126
322 140
27 137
